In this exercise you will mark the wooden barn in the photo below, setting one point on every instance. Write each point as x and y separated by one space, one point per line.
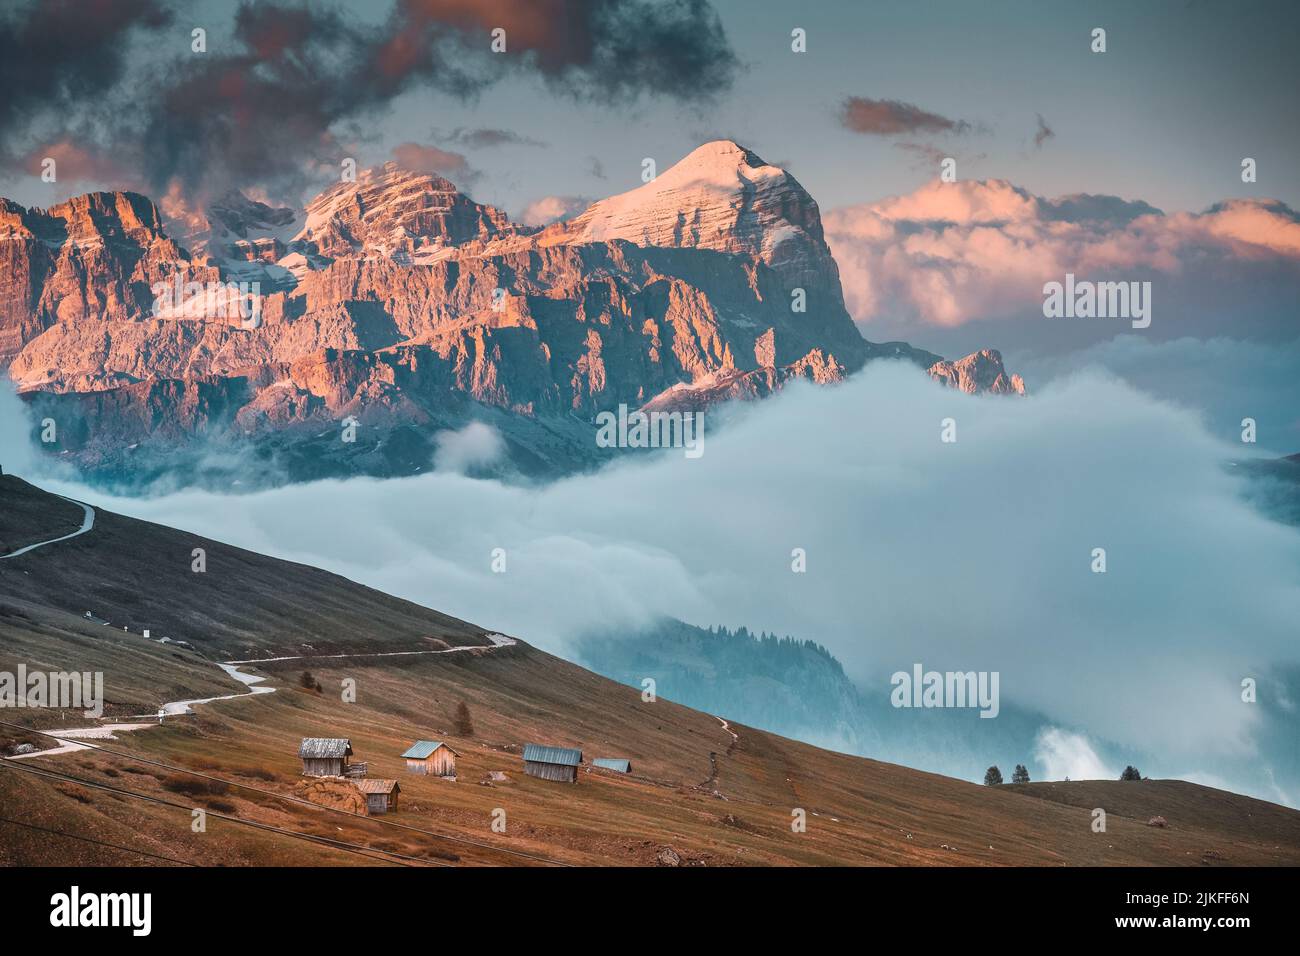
552 763
325 756
433 758
381 795
617 764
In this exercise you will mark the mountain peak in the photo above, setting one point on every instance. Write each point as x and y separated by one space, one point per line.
720 196
721 154
393 212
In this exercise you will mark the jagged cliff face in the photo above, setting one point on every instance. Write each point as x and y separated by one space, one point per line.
400 301
91 260
720 197
978 372
393 214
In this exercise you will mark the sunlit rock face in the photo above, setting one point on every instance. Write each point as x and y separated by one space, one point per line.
90 260
721 197
398 300
980 371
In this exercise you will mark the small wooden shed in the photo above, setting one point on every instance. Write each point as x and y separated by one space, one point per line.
552 763
617 764
432 758
381 795
324 756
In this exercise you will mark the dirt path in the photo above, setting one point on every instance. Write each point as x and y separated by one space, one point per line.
87 522
711 785
498 640
735 737
176 708
70 738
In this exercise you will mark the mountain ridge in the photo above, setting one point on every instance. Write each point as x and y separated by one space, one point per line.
399 301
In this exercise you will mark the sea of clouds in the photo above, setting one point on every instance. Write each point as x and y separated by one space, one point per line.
974 555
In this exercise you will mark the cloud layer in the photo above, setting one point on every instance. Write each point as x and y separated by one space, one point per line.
549 209
273 104
968 556
954 253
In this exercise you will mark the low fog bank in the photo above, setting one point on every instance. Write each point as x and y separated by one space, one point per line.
1225 380
971 555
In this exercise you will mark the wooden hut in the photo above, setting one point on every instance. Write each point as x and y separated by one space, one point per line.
616 764
325 756
381 795
432 758
552 763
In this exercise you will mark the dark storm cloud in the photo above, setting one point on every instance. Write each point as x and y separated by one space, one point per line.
891 117
608 50
54 55
270 106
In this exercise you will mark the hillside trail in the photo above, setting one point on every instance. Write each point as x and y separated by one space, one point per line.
72 739
87 522
711 784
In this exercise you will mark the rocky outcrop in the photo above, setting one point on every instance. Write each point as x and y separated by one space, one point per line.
720 197
400 301
91 260
978 372
393 213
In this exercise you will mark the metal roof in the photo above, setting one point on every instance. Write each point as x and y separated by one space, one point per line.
538 753
319 748
613 763
425 748
371 785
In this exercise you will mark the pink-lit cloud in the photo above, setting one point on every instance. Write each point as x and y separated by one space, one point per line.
549 209
953 253
74 163
430 159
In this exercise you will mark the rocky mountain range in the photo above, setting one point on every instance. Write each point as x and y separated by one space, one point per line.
398 302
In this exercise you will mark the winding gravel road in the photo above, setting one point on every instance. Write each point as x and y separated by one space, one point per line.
87 523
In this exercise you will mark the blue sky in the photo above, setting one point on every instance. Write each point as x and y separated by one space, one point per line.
1184 91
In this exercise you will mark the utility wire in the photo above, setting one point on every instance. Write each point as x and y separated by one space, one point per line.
357 848
114 846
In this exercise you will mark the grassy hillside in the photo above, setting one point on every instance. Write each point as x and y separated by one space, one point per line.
713 794
140 575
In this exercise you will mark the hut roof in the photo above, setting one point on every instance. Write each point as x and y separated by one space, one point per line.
371 785
538 753
324 748
425 748
613 763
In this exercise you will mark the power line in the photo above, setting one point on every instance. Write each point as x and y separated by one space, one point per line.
114 846
292 799
357 848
